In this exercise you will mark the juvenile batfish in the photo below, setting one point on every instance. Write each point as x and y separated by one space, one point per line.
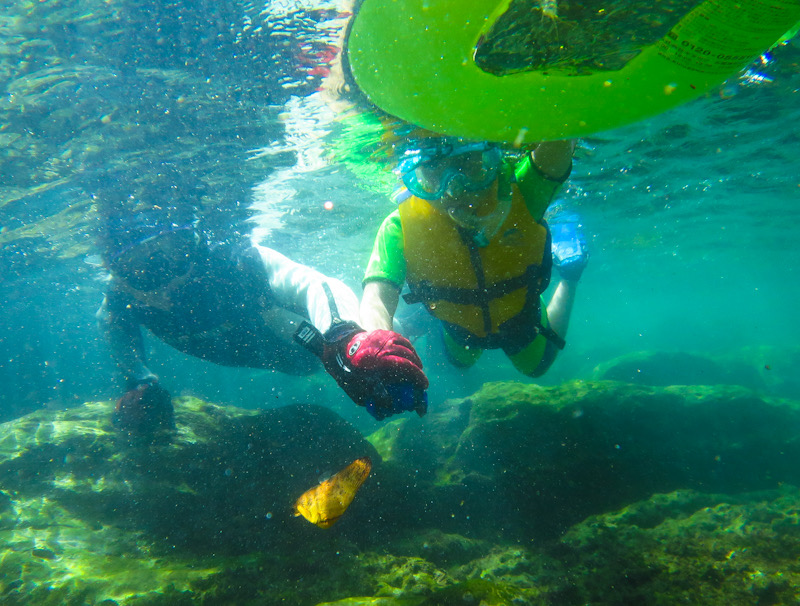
327 501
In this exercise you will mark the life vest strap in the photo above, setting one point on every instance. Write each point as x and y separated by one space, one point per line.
512 338
552 336
424 292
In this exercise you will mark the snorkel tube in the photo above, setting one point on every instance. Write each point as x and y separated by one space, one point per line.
415 59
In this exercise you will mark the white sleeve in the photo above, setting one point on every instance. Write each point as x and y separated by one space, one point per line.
299 288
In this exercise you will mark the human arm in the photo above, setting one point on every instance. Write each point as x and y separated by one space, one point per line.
305 291
554 158
386 269
541 173
559 309
378 305
378 369
384 276
117 322
570 258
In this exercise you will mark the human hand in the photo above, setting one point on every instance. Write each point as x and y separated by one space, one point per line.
398 398
570 254
379 370
143 409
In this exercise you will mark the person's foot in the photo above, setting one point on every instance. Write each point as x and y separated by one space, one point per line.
144 410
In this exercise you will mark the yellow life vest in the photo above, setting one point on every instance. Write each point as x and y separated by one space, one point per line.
476 288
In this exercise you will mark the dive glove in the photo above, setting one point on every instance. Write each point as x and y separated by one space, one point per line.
144 409
378 369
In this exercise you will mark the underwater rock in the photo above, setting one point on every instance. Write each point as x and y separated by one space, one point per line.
680 547
203 514
209 485
535 460
661 368
685 547
767 369
446 550
369 601
776 367
87 514
414 442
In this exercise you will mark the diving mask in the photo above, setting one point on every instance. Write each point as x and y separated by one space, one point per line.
156 260
445 166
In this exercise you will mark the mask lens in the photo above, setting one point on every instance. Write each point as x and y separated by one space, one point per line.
156 262
471 167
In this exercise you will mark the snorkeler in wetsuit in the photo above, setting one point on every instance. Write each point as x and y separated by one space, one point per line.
241 304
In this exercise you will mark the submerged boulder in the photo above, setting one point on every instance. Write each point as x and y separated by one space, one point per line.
766 369
226 480
680 547
531 461
776 367
88 513
661 368
593 492
684 547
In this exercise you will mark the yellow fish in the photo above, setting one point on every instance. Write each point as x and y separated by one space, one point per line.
326 502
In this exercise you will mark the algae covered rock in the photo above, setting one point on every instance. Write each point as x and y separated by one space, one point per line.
686 547
661 368
776 367
534 460
447 550
88 514
225 480
412 442
599 492
767 369
681 547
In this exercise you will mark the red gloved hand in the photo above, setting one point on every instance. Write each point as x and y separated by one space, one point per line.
144 409
389 354
371 367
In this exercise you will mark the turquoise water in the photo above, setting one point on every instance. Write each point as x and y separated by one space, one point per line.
691 216
691 219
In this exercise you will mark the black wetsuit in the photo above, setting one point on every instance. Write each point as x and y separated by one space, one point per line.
226 311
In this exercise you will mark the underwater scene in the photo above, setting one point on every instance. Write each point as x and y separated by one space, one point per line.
285 292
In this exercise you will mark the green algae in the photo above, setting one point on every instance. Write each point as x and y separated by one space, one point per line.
473 591
530 461
446 550
733 550
85 564
370 601
201 514
88 514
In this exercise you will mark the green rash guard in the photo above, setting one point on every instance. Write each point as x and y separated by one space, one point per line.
387 262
